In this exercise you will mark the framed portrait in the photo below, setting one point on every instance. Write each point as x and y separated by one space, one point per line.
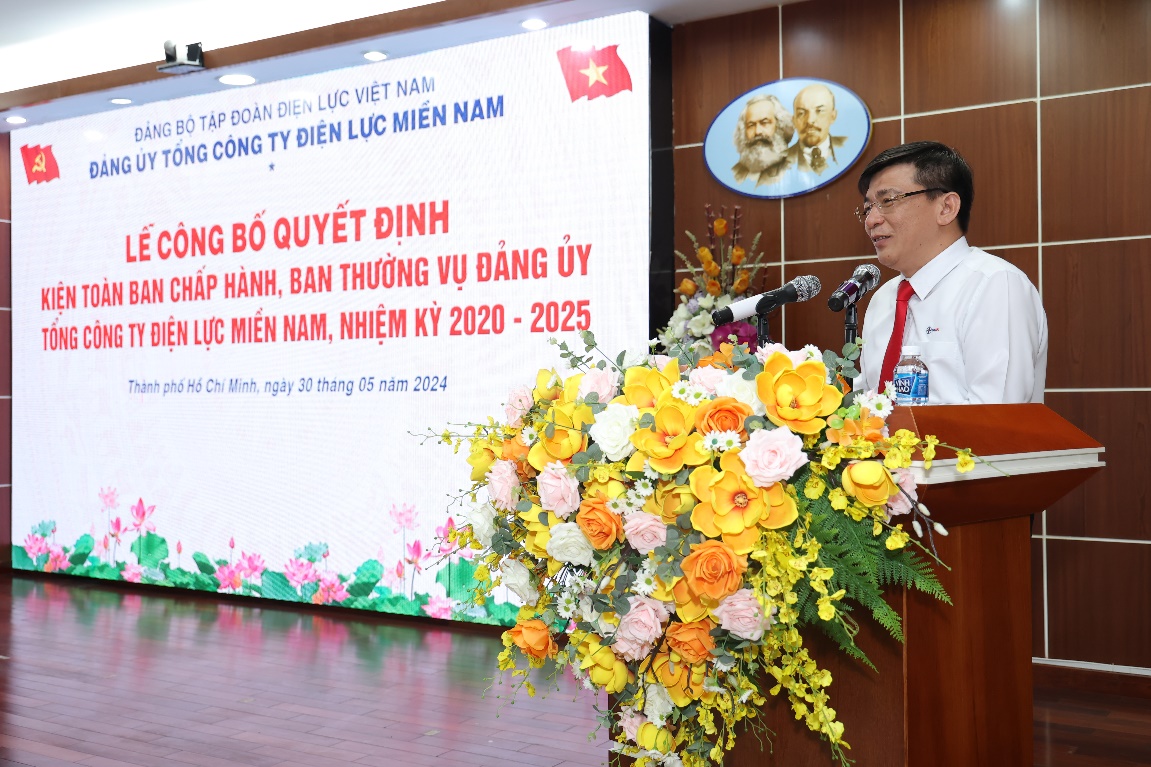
787 137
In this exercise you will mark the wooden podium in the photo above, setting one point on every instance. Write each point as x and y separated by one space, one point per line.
958 692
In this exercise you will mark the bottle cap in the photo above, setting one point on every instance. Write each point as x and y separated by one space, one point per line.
911 351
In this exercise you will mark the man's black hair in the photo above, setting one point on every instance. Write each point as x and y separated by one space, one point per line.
937 166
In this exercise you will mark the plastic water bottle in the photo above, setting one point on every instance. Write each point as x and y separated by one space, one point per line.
910 378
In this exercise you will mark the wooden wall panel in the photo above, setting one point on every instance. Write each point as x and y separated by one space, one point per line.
959 53
1091 44
5 265
1038 617
1114 503
5 178
822 224
714 61
999 143
6 444
1099 602
695 187
813 322
832 41
5 353
1096 162
1097 313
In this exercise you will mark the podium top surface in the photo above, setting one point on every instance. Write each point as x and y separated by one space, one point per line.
994 429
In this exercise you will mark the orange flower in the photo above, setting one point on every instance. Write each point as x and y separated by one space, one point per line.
704 255
601 525
719 226
533 638
730 504
713 570
713 288
684 681
688 287
781 510
691 641
742 282
671 443
722 414
711 268
869 482
642 386
868 427
737 255
797 397
721 358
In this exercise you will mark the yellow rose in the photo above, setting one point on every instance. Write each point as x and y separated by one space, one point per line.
869 482
797 397
654 738
669 501
548 386
567 437
602 666
481 458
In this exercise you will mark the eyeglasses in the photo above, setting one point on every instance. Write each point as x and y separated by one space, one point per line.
886 203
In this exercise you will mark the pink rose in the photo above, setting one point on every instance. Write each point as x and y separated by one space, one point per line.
602 382
899 503
645 532
659 361
766 351
630 721
559 491
742 615
639 629
502 484
772 456
707 377
519 402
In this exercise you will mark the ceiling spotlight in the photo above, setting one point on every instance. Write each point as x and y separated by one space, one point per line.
533 25
375 55
237 79
120 101
16 120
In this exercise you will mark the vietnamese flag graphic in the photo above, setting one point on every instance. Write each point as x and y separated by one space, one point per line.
39 163
594 72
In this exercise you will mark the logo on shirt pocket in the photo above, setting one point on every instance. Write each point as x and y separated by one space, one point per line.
931 330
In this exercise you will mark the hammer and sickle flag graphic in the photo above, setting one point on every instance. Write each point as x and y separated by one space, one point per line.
594 72
39 163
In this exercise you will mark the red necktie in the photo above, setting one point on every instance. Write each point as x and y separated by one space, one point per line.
896 343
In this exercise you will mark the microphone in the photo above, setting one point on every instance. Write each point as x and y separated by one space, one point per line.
799 289
866 277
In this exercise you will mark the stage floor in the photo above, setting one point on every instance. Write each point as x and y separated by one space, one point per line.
104 676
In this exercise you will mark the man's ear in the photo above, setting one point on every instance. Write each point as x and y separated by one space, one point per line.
948 208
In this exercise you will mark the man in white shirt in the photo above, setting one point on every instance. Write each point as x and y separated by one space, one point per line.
977 319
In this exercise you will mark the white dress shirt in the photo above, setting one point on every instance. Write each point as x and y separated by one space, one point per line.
979 325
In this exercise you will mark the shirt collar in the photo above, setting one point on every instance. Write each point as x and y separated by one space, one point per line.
933 272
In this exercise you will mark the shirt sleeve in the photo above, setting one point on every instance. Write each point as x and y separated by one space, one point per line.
1005 346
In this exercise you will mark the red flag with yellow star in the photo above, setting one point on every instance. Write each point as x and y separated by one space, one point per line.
594 72
39 163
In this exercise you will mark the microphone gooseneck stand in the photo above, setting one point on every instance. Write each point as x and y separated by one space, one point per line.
850 324
763 332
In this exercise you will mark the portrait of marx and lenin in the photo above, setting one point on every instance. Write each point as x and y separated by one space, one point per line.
787 137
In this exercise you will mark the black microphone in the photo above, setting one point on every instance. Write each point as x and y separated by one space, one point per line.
799 289
866 277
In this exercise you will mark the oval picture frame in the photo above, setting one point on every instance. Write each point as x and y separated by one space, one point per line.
787 137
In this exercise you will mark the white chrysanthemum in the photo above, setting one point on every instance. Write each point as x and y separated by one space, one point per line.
657 704
701 325
529 436
693 394
742 389
808 352
619 505
645 583
587 613
567 605
721 441
651 473
644 487
877 404
889 390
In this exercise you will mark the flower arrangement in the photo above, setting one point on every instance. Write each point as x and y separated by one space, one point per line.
675 525
724 272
